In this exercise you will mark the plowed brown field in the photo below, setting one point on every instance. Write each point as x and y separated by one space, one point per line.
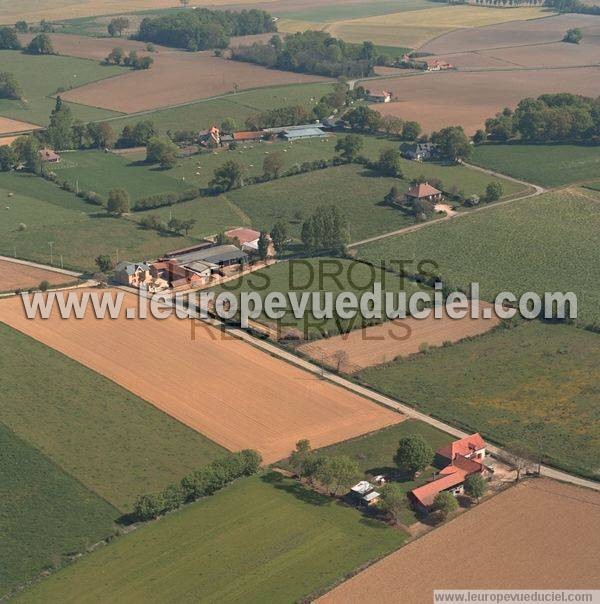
537 535
437 100
383 343
229 391
176 77
20 276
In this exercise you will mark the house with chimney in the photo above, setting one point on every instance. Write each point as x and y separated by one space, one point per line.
459 460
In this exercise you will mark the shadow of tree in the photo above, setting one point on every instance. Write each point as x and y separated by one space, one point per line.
296 489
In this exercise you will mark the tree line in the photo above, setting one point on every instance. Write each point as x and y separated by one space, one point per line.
312 52
561 117
201 483
203 28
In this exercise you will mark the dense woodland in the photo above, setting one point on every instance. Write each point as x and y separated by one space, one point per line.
312 52
202 28
551 117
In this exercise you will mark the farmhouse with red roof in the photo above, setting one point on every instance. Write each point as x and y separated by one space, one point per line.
464 458
423 191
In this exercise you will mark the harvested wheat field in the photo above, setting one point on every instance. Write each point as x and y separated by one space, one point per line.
223 387
415 28
383 343
34 10
14 275
8 126
539 534
441 99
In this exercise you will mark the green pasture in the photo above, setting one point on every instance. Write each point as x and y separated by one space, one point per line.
535 384
262 539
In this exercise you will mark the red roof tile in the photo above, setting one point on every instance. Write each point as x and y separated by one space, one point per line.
422 190
464 446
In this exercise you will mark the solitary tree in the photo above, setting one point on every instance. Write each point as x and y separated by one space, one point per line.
393 501
452 143
188 225
43 286
229 176
116 56
390 163
272 165
475 486
118 202
340 357
414 454
41 45
299 455
228 126
117 26
22 27
9 39
279 236
411 131
349 147
391 124
263 246
573 36
494 191
104 263
10 88
444 504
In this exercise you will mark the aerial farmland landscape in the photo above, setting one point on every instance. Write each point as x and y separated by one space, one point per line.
299 301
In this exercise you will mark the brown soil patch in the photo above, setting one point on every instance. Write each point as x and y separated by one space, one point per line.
514 33
20 276
537 535
8 126
176 77
225 388
469 98
383 343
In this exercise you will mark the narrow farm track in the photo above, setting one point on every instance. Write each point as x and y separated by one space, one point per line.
417 227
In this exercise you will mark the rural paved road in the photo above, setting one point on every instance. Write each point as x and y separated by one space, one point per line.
45 267
537 190
382 399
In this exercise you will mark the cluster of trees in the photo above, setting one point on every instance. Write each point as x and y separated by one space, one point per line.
291 115
336 474
174 225
161 151
117 56
137 135
452 143
325 230
202 28
9 39
573 36
573 6
117 26
22 151
10 88
312 52
41 45
551 117
201 483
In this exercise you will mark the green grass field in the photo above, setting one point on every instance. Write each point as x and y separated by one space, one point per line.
262 539
113 442
508 384
375 454
79 231
203 114
542 244
333 275
44 512
546 165
42 76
